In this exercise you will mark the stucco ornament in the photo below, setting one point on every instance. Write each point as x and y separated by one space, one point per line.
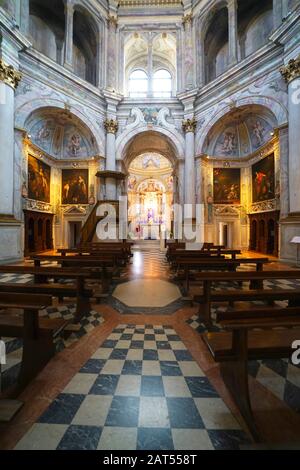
189 125
111 126
291 71
9 75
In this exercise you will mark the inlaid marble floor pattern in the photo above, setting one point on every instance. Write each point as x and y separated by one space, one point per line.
140 390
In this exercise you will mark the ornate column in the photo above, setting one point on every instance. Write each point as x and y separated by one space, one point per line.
189 72
189 128
69 26
9 80
232 32
111 126
291 73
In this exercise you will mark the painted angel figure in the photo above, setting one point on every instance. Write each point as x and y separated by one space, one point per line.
258 132
75 144
228 144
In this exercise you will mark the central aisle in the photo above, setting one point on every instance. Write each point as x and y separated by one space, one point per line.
140 390
141 379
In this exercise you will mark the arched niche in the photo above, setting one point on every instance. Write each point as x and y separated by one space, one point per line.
85 45
255 24
216 42
240 132
47 28
61 134
148 142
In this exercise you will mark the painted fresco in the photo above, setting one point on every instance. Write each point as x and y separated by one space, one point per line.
62 139
227 183
75 185
263 179
240 134
227 143
38 180
150 115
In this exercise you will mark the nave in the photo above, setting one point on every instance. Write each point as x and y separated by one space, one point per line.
140 377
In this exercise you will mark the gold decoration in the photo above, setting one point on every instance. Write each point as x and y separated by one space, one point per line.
139 3
189 125
291 70
187 19
112 21
9 75
111 126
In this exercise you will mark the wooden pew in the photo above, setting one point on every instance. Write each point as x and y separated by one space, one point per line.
105 265
40 285
100 260
125 246
218 263
270 295
174 253
239 343
37 333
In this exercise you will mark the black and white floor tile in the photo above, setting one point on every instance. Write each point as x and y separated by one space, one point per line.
14 347
279 376
140 390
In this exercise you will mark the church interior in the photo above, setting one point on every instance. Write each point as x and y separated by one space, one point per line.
149 225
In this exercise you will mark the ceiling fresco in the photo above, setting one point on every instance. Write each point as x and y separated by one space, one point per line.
240 133
61 134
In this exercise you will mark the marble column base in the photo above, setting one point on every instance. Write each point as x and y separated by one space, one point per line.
289 228
10 240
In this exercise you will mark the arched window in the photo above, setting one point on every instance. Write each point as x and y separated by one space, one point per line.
162 84
138 84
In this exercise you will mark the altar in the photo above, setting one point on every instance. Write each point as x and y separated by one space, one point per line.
150 231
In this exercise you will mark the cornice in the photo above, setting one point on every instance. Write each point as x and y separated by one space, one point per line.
59 163
242 162
286 30
36 68
266 60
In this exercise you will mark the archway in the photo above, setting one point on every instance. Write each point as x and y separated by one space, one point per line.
150 162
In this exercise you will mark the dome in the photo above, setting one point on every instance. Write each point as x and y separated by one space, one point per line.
61 134
240 133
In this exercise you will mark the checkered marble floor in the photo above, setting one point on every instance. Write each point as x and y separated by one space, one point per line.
14 346
140 390
279 376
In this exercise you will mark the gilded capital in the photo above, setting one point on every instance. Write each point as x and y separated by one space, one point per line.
189 125
111 126
9 75
291 70
187 19
112 21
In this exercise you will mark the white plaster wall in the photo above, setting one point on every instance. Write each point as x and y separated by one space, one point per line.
10 243
222 60
79 63
258 32
43 38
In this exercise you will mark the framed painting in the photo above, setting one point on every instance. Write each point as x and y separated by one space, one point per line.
227 186
263 179
39 174
74 186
